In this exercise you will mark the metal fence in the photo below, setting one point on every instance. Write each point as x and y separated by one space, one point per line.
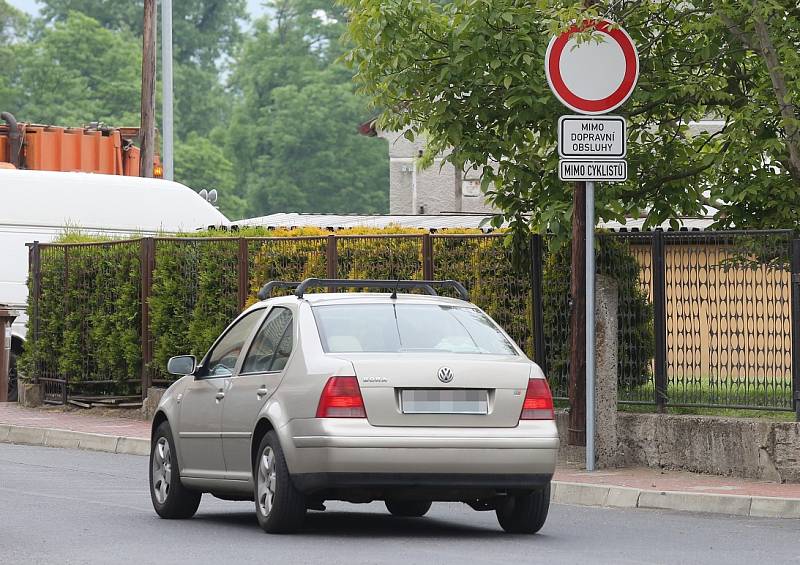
706 319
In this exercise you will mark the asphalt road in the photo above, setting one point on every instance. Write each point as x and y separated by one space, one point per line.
67 506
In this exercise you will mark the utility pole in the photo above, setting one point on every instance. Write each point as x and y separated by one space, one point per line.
147 132
577 290
167 134
576 434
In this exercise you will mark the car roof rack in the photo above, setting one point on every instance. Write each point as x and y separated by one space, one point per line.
390 284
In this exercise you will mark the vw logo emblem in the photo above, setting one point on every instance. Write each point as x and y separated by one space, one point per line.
445 374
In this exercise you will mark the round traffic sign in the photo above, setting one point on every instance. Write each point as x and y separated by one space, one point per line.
592 78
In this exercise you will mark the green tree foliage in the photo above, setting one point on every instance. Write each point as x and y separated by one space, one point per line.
203 30
13 23
201 163
13 27
294 139
469 75
75 73
310 157
205 34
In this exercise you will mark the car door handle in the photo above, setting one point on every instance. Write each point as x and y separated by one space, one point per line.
262 391
220 395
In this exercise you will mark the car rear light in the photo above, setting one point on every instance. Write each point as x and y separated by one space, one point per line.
538 404
341 398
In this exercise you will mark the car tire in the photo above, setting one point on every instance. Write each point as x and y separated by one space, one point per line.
524 513
170 498
280 507
408 508
13 378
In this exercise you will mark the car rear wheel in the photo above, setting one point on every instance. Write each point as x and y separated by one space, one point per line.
170 498
524 513
408 508
280 507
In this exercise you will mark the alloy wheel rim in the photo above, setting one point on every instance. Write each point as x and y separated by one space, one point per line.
267 481
162 470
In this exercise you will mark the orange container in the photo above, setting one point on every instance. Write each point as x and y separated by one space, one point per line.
52 148
72 149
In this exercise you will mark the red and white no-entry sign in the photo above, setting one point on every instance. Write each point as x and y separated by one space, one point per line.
592 78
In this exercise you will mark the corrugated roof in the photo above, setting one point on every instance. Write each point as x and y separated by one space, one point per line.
429 222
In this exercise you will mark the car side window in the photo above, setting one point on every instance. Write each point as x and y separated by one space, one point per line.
284 349
222 359
272 345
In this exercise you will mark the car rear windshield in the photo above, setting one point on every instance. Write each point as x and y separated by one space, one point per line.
408 327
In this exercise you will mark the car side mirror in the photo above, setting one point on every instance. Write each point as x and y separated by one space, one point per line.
181 365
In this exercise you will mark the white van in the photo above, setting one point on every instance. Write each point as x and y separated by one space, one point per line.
41 205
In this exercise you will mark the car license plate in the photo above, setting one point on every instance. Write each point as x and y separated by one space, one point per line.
444 401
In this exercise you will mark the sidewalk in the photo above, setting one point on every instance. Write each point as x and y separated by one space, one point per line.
55 426
623 488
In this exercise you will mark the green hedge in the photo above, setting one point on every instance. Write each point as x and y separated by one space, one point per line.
89 324
90 310
636 342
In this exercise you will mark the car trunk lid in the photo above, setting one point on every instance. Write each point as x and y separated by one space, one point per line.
441 390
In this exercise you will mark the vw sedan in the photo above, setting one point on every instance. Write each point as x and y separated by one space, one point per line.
358 396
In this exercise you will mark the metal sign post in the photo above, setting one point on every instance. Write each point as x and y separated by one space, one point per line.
590 457
592 79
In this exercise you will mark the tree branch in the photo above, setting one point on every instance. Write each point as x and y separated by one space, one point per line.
787 108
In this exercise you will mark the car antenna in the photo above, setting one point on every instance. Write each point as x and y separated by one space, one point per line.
394 292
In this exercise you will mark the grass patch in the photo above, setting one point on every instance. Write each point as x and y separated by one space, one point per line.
732 392
771 415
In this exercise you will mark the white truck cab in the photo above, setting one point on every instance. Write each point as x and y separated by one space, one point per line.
42 205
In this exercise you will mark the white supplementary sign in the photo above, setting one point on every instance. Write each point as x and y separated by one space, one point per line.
597 138
580 170
592 77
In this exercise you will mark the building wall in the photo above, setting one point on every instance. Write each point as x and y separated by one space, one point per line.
436 185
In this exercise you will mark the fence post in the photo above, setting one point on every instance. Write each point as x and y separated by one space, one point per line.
36 280
537 310
331 260
659 319
427 257
147 265
796 328
243 267
64 389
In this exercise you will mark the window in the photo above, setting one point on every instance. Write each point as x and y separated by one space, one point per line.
395 328
272 345
222 359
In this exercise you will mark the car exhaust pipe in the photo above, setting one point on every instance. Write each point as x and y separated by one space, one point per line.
14 137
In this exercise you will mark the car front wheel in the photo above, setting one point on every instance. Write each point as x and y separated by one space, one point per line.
524 513
280 507
170 498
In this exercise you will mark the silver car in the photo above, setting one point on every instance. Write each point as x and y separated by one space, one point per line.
358 396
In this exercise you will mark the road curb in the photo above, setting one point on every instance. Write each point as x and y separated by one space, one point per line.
583 494
53 437
576 494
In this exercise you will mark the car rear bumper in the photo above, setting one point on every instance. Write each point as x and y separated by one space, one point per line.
312 482
340 452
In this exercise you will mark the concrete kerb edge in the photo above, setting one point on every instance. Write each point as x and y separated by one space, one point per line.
583 494
578 494
53 437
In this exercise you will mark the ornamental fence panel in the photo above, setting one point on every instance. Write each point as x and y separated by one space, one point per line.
706 319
